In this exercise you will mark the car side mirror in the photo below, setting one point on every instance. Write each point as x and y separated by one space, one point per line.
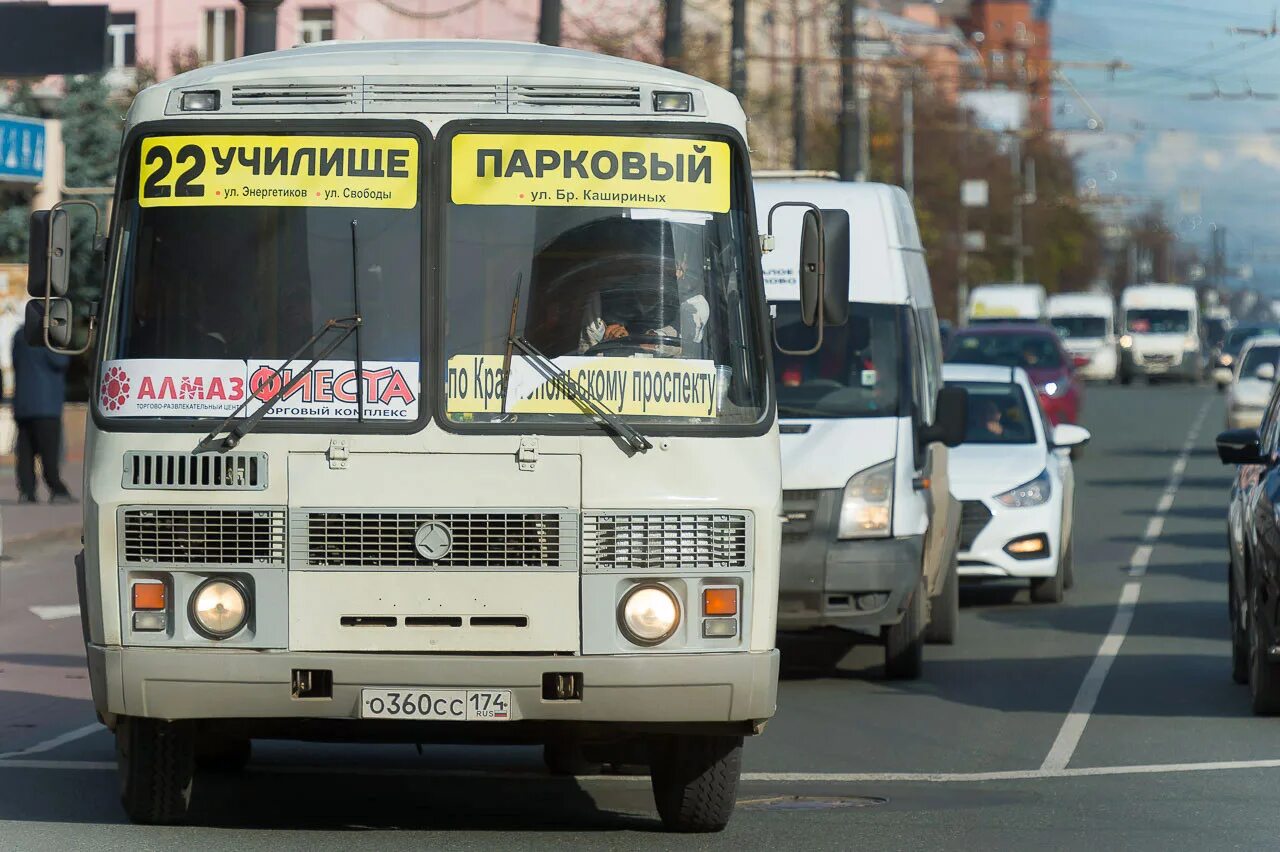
950 418
49 313
1070 435
1266 372
1239 446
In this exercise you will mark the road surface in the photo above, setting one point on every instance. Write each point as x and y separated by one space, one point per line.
1106 722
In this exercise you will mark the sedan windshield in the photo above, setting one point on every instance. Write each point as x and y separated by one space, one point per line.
649 309
998 414
1032 351
854 374
1158 320
1256 357
1079 326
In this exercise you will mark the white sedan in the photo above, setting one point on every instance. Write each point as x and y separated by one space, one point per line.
1014 480
1251 382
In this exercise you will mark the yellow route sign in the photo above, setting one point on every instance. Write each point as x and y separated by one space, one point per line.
590 171
278 171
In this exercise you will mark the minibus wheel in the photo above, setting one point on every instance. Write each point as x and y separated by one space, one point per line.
695 780
904 641
944 610
223 753
156 763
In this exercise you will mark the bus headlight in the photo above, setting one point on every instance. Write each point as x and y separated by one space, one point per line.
867 503
219 608
649 614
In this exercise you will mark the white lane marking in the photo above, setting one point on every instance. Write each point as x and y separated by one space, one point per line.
1069 735
51 744
53 613
774 777
1166 503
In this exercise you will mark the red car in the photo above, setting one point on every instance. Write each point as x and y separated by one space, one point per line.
1035 348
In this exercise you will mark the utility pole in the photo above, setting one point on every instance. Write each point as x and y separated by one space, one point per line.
738 54
799 135
549 22
1025 174
850 129
259 26
673 35
909 134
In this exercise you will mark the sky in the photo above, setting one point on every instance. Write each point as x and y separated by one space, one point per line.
1193 122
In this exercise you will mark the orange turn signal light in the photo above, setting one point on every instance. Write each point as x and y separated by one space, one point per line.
719 601
148 596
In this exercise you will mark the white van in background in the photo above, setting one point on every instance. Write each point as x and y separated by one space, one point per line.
1161 334
1086 322
870 531
989 303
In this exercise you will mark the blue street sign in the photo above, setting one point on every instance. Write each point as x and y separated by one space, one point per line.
21 149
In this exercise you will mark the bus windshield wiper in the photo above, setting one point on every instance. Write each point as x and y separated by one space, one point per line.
237 427
552 372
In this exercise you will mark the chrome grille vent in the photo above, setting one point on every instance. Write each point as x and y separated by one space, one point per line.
196 535
278 95
385 539
408 96
645 541
207 472
533 97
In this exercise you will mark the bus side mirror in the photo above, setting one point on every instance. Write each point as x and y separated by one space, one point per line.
49 313
950 418
811 274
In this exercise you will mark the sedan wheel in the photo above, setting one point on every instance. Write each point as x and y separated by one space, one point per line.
1264 675
1239 632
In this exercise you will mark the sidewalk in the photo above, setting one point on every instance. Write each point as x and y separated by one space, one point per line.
25 523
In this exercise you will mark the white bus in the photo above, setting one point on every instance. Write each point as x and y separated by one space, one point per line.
432 405
1087 324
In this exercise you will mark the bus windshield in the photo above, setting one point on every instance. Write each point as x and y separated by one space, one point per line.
220 280
854 374
649 309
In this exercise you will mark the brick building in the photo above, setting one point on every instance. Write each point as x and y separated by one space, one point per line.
1013 38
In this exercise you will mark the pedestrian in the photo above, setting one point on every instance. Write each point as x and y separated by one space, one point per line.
39 391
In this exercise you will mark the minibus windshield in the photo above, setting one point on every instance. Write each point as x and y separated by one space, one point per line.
1079 326
1158 320
650 308
854 374
215 289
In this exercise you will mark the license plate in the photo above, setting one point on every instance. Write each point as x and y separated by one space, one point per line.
453 705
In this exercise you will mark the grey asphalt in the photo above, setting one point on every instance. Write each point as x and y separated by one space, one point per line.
994 702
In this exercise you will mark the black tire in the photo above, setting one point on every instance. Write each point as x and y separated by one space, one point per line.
944 610
904 641
1239 631
1049 589
156 763
223 754
1126 379
695 781
1264 675
565 757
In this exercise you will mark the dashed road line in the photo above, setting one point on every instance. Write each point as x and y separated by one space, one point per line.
50 744
1069 735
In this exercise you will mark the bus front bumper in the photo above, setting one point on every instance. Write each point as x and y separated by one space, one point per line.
172 683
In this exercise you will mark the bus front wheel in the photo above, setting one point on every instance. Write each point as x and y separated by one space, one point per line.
695 780
156 762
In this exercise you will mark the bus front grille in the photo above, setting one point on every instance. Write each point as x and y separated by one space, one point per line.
665 541
475 540
198 535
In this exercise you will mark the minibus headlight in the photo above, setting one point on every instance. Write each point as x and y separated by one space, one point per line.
219 608
867 503
1125 341
649 614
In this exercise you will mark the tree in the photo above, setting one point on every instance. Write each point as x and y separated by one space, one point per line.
15 204
91 129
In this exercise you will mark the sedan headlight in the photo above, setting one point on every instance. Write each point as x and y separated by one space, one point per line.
866 506
1054 389
219 608
649 614
1033 493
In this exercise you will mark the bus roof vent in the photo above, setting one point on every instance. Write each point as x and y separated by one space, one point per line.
562 96
406 94
205 472
297 96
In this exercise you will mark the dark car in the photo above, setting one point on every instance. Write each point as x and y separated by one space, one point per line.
1035 348
1253 544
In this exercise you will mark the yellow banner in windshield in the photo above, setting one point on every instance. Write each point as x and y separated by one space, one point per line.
279 171
590 171
648 387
